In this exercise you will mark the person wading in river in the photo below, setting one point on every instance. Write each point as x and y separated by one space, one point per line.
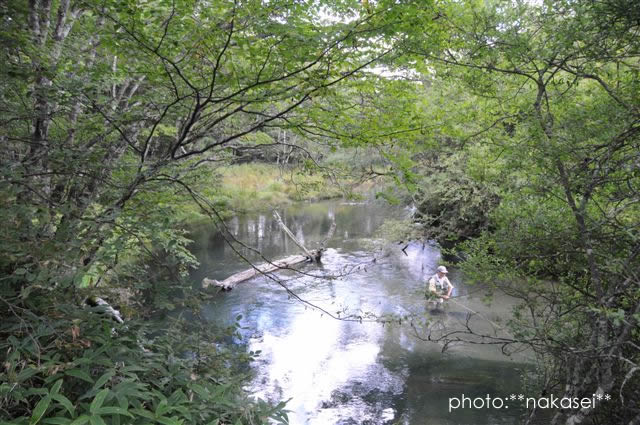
439 287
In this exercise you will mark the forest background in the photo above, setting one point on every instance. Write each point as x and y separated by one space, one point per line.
512 126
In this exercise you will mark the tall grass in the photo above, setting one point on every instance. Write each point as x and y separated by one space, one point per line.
251 187
242 188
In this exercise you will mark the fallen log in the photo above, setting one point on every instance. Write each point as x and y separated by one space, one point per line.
332 230
290 234
286 263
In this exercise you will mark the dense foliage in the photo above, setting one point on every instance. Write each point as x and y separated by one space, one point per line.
114 114
555 108
512 126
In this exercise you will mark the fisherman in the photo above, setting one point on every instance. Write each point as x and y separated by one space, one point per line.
439 286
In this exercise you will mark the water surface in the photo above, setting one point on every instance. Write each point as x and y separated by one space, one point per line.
347 372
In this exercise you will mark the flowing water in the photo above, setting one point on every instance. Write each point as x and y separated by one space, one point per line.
347 372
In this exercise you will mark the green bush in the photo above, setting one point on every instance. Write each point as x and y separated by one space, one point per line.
451 204
70 365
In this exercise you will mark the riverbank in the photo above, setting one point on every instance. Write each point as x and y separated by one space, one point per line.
260 187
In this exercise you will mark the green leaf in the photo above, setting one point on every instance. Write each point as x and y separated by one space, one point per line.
162 407
98 400
113 410
65 402
89 394
81 420
79 373
56 421
103 379
168 421
26 374
200 390
56 387
40 410
123 402
144 413
134 368
97 420
36 391
177 397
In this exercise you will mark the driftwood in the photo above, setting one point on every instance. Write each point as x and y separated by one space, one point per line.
332 230
230 282
285 263
291 235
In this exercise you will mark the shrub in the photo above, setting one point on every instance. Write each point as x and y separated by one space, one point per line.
68 365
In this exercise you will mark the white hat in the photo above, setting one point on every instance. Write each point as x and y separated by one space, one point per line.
442 269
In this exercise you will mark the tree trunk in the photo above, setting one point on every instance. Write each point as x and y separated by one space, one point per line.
286 263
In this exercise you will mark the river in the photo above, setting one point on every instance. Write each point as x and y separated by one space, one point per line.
347 372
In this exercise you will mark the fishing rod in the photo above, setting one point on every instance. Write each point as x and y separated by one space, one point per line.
475 312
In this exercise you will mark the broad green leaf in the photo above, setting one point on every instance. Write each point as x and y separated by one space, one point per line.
56 421
200 390
79 373
81 420
109 410
103 379
162 407
65 402
96 420
37 391
144 413
123 402
168 421
39 410
177 397
26 374
98 400
56 387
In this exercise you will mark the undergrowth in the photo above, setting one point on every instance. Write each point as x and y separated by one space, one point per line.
69 365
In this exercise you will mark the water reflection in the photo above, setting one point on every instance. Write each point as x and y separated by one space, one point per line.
340 372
